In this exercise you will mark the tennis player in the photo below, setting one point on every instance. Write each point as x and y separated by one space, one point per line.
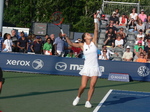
1 79
91 68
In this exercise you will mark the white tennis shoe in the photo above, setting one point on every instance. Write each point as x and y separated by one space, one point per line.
76 101
88 104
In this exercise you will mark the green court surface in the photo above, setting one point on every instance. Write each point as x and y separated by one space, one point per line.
25 92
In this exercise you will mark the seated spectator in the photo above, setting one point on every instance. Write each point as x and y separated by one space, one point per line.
1 42
148 23
103 21
141 59
110 31
121 33
133 15
136 47
148 56
147 32
52 36
123 20
47 48
36 46
14 39
132 26
111 26
127 55
140 35
119 41
117 12
140 25
109 41
147 48
142 16
114 18
7 45
139 40
71 54
104 55
22 43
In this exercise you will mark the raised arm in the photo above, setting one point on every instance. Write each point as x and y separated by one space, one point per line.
95 29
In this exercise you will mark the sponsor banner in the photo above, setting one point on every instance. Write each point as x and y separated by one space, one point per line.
70 66
118 77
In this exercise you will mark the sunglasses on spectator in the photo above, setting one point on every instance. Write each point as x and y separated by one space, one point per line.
104 51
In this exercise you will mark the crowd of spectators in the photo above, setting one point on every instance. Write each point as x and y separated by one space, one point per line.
32 44
120 30
117 29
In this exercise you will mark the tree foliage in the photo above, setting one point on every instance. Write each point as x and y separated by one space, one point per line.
77 13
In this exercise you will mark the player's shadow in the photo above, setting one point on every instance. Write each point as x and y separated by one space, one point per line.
122 100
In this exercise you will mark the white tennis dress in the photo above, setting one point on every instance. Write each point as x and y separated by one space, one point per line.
91 67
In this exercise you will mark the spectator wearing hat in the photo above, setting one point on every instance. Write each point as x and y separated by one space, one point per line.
114 18
103 20
140 35
36 46
127 55
22 43
142 16
133 14
122 20
77 51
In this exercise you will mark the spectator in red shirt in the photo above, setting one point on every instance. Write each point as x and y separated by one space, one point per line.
76 50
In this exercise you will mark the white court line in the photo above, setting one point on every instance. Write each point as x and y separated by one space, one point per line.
102 101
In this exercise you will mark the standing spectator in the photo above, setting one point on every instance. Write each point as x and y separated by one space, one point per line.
132 26
114 18
59 45
142 16
117 12
7 45
127 55
52 36
140 25
36 46
30 39
1 42
133 14
47 48
14 39
45 38
104 56
22 43
141 59
119 41
122 20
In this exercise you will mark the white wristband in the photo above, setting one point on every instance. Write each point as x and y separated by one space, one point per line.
95 20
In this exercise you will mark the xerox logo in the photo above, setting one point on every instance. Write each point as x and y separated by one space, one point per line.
36 64
18 62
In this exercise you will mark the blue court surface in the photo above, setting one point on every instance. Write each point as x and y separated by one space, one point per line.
124 101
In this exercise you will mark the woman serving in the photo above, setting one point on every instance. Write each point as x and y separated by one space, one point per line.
91 68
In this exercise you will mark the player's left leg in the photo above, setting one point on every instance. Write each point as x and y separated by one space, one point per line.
91 91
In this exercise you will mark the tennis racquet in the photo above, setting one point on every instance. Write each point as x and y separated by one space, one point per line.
57 20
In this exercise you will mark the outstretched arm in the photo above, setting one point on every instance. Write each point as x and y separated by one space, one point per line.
95 29
73 44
